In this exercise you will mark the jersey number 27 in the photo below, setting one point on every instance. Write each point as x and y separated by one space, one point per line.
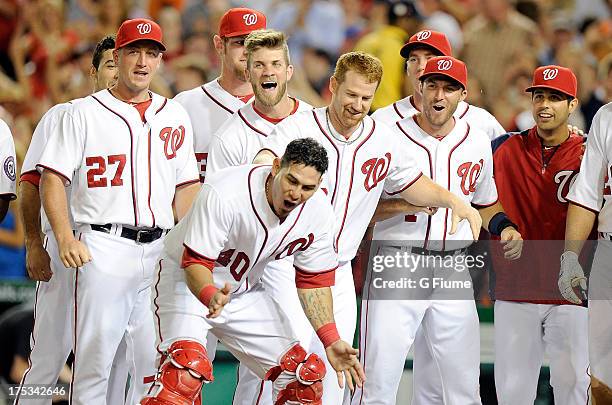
95 175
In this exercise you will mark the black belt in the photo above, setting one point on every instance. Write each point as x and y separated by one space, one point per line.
138 235
427 252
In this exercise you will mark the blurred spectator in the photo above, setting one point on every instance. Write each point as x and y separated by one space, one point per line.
156 6
385 43
317 23
493 41
437 19
354 23
311 82
12 250
170 22
8 22
602 94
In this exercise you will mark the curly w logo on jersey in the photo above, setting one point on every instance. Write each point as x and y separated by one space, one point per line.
173 139
376 170
300 244
469 173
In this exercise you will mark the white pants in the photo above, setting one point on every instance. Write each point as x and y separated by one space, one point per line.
448 336
112 295
600 314
523 333
51 339
279 283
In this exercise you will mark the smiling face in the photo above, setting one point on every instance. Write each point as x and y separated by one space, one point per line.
292 185
137 63
269 73
351 99
105 74
551 108
415 64
440 99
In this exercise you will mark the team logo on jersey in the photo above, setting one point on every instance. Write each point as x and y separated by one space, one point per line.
469 173
173 140
445 64
250 19
550 74
423 35
300 244
564 180
144 28
376 170
9 168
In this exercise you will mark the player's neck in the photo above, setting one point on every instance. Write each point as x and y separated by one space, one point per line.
553 137
123 93
417 101
283 109
233 85
336 123
436 131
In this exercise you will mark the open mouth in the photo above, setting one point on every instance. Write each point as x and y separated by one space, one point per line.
545 116
140 74
269 85
289 205
438 108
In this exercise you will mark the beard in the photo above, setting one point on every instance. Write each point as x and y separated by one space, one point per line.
269 100
240 72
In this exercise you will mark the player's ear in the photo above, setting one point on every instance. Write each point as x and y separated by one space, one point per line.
219 45
289 72
276 166
333 84
463 94
93 72
573 103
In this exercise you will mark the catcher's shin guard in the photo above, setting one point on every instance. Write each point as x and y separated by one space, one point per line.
602 394
309 370
184 369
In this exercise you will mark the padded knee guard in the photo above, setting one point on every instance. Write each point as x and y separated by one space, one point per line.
309 370
602 394
181 375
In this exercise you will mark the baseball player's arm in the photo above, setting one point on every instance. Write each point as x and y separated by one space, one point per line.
37 259
183 198
389 208
425 193
318 307
199 279
578 226
495 221
72 252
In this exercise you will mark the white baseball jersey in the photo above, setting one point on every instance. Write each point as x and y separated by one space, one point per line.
232 222
477 117
122 170
461 162
7 159
595 173
46 126
208 106
240 138
359 168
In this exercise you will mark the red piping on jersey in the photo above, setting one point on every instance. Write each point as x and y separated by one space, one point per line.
131 156
216 101
583 206
407 186
54 171
337 152
467 131
156 305
397 111
74 342
465 112
187 182
191 257
250 125
149 166
32 177
289 230
431 176
162 106
257 215
411 99
269 150
186 246
306 280
365 335
480 206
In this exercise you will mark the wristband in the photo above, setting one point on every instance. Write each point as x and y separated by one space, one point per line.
207 293
328 334
499 222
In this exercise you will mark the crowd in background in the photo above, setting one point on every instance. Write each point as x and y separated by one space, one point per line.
46 46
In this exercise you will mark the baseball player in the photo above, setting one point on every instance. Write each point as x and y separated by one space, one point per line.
51 340
213 103
245 217
421 47
589 198
7 178
365 158
533 172
128 154
268 70
459 158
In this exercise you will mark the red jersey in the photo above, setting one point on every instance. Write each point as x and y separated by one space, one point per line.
532 182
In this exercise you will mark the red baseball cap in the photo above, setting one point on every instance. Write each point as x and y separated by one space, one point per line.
139 29
554 77
433 39
446 66
241 21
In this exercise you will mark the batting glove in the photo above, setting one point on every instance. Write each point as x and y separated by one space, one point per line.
570 276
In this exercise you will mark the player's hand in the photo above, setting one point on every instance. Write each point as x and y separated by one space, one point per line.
73 253
572 276
38 262
575 130
343 358
461 211
415 209
512 242
218 301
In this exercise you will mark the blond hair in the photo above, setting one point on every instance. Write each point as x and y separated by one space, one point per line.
361 63
269 39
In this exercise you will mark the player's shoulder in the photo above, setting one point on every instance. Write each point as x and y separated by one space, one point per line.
392 113
465 110
509 142
604 114
5 131
319 208
189 95
232 182
476 134
303 105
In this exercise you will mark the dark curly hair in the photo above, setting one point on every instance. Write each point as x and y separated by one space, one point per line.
106 43
307 152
